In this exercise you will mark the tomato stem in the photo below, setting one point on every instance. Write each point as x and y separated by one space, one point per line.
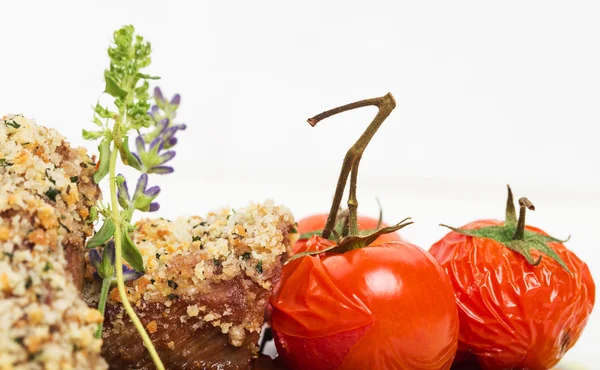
524 205
385 104
515 237
511 216
352 200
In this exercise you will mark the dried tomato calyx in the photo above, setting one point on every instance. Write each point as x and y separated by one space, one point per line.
352 242
515 237
341 227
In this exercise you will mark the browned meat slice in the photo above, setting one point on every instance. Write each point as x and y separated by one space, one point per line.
205 291
46 192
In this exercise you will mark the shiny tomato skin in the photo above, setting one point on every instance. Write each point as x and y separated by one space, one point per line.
512 314
388 306
317 222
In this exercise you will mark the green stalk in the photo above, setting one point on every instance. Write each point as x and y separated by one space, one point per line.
353 200
385 105
102 303
116 216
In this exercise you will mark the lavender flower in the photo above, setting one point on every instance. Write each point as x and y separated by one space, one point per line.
105 265
142 197
164 104
153 157
163 113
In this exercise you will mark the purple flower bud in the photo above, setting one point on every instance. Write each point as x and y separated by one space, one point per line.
162 125
131 274
152 192
123 194
154 207
141 185
137 157
166 156
156 142
154 112
97 276
168 133
175 100
171 142
95 258
158 94
110 251
140 145
161 170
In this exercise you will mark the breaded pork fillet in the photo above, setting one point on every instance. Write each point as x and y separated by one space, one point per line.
46 192
205 290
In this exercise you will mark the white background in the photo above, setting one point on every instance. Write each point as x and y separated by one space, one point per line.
488 93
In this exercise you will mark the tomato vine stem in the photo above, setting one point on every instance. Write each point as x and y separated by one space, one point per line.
385 104
524 205
352 200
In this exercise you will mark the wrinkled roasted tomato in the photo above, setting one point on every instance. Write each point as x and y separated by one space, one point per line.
514 314
317 222
387 306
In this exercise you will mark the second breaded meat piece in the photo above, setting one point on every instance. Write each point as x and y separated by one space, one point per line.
206 287
46 192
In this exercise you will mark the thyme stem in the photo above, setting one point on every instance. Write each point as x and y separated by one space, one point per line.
102 303
119 262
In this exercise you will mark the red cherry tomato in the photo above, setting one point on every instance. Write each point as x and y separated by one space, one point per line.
317 223
385 306
513 314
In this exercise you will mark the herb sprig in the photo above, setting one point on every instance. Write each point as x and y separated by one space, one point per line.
129 86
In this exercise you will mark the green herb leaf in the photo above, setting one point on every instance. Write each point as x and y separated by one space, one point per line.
74 178
172 284
28 282
91 135
64 226
129 159
106 232
104 167
131 254
12 123
126 82
92 216
5 163
103 112
147 77
97 121
106 270
52 193
259 267
112 87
